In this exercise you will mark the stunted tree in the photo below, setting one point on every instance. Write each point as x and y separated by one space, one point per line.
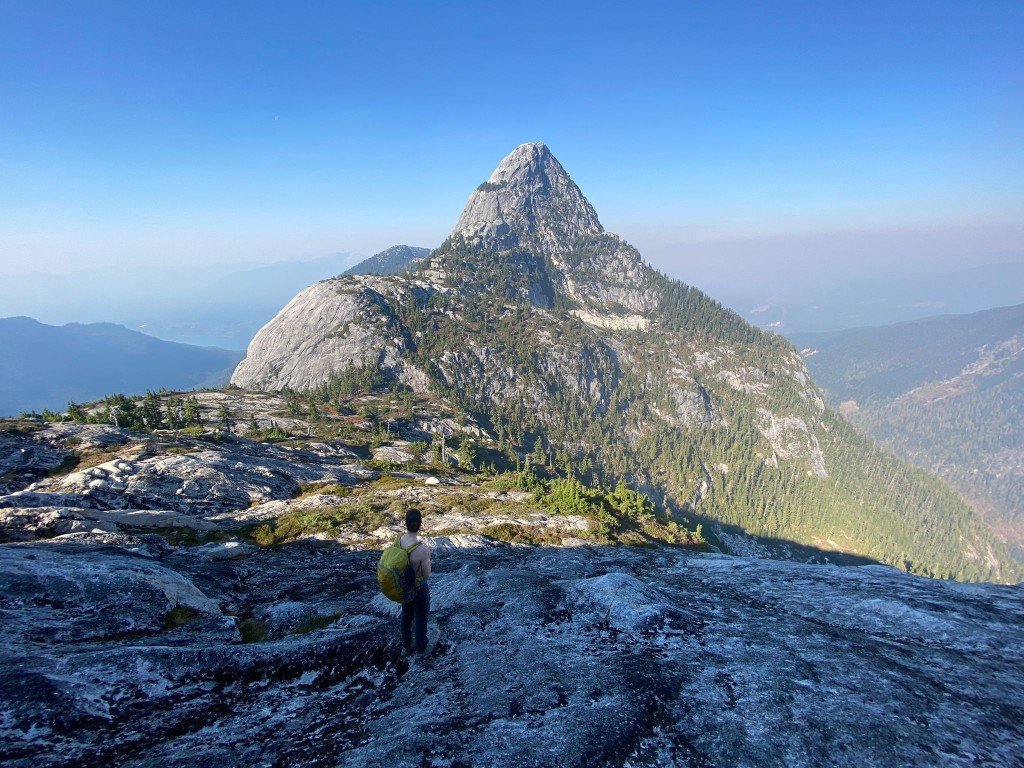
122 413
224 417
540 458
291 401
467 455
176 413
76 412
152 416
192 414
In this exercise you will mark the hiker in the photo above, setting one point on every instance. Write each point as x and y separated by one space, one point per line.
417 610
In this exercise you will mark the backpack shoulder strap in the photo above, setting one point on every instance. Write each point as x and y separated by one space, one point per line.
409 549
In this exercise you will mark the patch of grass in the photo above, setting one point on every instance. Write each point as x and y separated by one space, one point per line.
521 534
21 426
179 616
322 489
390 483
252 631
313 623
360 517
87 460
471 504
67 464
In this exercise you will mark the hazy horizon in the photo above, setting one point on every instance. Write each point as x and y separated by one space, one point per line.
764 155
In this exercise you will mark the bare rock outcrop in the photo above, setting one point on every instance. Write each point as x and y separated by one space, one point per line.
528 201
570 657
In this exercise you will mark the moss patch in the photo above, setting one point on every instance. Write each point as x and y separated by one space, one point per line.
313 623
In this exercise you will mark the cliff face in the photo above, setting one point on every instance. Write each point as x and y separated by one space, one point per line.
530 202
330 326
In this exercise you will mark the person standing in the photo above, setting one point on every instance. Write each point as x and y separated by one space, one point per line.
416 612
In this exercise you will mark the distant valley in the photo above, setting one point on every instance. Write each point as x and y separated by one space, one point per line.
45 366
830 299
945 393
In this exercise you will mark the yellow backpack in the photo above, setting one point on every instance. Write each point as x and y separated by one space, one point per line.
395 574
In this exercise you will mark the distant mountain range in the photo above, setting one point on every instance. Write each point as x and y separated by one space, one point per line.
45 366
559 339
946 393
812 302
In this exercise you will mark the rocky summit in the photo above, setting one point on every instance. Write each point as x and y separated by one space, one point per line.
528 201
555 336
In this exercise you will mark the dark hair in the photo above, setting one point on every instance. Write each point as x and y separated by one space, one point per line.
413 519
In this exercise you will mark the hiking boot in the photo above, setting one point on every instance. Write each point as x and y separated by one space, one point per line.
407 651
426 651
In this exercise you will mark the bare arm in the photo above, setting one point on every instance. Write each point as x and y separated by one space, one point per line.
422 557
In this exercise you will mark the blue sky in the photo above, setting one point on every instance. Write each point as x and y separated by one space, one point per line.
199 133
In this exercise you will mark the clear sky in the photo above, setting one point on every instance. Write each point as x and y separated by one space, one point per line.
203 132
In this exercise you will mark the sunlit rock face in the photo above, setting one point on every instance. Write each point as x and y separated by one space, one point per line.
529 201
560 656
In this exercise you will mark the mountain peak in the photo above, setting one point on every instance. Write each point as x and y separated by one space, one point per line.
529 201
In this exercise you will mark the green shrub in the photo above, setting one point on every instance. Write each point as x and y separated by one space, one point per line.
179 616
512 481
390 482
360 517
251 630
263 535
520 534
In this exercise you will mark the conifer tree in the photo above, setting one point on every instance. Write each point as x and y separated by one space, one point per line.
192 413
152 417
